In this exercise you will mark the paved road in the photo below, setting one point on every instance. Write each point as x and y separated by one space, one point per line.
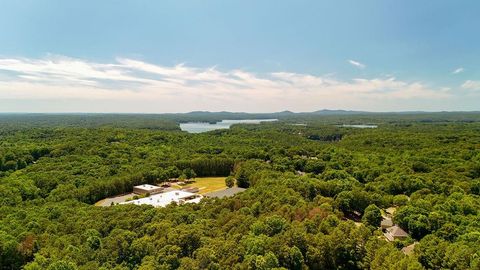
118 199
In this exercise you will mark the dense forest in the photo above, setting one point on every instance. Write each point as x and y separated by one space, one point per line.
307 177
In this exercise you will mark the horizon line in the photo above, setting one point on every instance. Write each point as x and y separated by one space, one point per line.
244 112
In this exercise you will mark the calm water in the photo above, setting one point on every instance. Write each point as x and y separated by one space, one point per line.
198 127
360 126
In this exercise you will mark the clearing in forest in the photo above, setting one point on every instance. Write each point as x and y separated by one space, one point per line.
208 184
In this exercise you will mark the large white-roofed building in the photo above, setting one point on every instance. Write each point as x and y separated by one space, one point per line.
164 199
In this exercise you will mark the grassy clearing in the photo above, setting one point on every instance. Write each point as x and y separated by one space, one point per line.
100 203
208 184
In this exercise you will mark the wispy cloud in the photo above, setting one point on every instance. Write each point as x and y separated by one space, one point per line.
357 64
131 85
471 85
458 70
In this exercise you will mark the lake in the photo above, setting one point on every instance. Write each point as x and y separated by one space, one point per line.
360 126
199 127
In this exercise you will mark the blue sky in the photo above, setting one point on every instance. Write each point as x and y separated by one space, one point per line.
166 56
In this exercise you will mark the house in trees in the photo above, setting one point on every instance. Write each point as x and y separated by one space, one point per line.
408 250
147 189
390 211
386 223
395 233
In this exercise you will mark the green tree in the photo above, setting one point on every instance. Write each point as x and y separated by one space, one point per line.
242 179
295 259
418 226
315 166
229 181
372 216
94 240
62 265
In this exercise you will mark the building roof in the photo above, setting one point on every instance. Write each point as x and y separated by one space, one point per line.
396 231
387 222
409 249
391 210
164 199
229 192
147 187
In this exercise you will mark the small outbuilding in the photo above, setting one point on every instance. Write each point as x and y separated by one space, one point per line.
147 189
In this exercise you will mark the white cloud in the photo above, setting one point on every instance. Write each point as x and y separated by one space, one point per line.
128 85
357 64
458 70
471 85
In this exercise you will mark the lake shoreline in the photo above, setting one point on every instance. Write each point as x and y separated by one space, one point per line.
200 127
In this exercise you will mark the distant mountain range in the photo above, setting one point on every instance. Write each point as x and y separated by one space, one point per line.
282 113
318 112
337 112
